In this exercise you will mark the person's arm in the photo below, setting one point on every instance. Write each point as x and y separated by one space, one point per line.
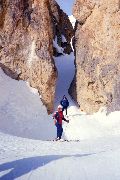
67 103
65 120
54 116
61 102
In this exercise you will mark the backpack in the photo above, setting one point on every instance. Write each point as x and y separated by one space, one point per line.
64 103
56 116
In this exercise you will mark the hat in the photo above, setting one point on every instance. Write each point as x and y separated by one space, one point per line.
60 107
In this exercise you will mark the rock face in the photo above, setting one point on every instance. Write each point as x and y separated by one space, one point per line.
97 49
26 43
62 29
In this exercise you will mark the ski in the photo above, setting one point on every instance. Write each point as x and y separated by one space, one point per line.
63 140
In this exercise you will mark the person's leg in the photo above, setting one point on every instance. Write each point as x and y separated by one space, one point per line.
57 125
66 111
57 132
63 109
61 131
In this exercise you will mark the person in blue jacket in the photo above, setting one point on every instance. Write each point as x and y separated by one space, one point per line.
65 103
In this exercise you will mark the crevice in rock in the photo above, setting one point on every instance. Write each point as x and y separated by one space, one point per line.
9 72
98 102
91 83
3 11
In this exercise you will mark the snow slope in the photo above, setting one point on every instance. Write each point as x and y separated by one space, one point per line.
66 70
24 159
22 112
83 126
72 20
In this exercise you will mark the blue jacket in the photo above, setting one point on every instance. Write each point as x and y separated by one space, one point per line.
64 102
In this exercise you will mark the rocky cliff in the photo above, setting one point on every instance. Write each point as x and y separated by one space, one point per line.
27 30
97 49
62 30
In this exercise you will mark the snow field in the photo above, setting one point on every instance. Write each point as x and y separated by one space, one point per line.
23 159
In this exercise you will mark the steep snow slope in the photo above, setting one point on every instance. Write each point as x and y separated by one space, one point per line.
66 70
72 20
22 112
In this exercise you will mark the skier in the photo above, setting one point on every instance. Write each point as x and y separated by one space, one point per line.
58 116
65 103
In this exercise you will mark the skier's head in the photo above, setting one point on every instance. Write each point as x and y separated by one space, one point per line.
64 97
60 108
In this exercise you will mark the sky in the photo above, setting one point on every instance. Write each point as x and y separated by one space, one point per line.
66 5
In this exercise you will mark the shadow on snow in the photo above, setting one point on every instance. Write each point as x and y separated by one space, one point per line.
24 166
